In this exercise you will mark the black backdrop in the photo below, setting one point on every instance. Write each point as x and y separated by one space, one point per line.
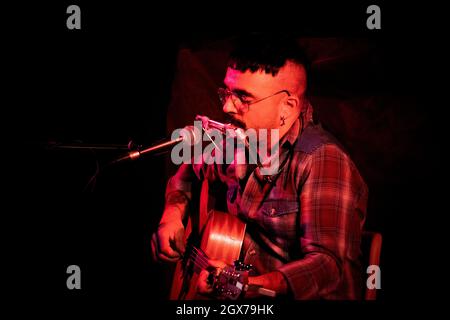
119 78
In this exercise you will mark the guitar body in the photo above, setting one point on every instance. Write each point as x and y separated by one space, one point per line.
221 235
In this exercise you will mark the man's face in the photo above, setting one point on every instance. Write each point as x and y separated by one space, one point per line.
251 87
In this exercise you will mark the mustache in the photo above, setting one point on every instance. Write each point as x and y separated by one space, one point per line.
235 122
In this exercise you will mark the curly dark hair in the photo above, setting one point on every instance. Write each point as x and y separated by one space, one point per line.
266 51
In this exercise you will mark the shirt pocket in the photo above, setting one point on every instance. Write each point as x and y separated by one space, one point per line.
279 218
276 208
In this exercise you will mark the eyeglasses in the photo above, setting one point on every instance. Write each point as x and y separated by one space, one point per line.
239 101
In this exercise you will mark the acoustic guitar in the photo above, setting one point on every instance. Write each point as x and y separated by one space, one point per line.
222 240
210 234
216 235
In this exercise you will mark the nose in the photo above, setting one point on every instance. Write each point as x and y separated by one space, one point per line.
229 106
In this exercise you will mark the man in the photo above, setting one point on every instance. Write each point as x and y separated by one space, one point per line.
304 228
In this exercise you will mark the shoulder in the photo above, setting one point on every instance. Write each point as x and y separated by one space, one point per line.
314 138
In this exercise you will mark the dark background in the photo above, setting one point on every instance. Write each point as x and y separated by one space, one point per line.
119 78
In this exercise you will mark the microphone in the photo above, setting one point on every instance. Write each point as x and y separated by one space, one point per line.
188 135
224 128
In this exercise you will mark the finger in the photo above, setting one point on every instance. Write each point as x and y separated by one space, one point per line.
203 287
157 255
180 244
165 248
164 258
160 255
174 246
169 252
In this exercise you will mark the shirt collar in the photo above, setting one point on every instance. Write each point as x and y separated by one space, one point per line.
292 134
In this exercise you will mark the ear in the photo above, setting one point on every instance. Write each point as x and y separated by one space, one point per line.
291 106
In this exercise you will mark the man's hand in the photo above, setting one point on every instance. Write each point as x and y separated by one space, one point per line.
204 286
168 242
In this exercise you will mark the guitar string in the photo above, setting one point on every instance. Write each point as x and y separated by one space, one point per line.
200 262
200 252
199 265
198 257
195 252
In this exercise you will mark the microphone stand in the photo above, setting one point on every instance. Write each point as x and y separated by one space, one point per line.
207 124
136 154
88 146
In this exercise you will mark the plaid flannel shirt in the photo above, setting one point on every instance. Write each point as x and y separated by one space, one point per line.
306 223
